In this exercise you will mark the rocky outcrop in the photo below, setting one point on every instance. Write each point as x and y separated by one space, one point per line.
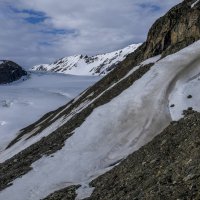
68 193
10 71
175 30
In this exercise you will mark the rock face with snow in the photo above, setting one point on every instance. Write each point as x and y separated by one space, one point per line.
177 29
10 71
65 152
88 65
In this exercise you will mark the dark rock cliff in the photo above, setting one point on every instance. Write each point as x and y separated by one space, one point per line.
10 71
174 31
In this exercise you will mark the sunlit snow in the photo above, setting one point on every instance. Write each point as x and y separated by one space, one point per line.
84 65
195 3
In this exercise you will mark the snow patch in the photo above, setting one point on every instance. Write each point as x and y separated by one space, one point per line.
84 191
195 3
186 92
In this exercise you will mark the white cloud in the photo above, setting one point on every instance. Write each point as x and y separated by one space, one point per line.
91 27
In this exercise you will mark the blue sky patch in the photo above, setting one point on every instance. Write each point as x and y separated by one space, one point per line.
151 7
35 20
37 17
55 31
32 16
44 43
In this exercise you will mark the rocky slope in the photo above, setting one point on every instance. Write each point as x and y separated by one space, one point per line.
166 168
10 71
110 120
88 65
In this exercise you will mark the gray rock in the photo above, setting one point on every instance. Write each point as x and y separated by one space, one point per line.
10 71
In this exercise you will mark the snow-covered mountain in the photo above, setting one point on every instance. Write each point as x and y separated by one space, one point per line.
88 65
135 134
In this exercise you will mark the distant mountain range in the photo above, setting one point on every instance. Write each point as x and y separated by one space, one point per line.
88 65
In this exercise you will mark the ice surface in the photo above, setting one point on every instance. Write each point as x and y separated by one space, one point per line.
113 130
24 102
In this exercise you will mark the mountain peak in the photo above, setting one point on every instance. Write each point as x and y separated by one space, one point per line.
100 64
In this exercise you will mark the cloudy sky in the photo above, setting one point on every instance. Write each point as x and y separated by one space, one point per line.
41 31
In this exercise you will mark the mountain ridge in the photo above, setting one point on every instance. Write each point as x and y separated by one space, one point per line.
100 64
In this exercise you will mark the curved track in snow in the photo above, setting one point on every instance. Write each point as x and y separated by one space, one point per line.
112 131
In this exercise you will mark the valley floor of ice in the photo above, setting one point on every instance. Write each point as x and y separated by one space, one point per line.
117 128
24 102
